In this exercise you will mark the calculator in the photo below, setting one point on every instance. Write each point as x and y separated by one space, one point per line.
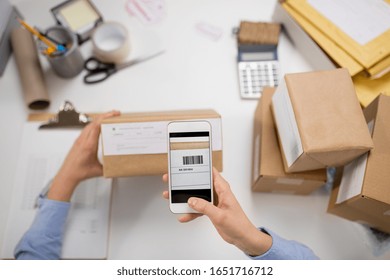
258 67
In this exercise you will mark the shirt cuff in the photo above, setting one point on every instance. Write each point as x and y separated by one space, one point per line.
52 215
43 240
282 249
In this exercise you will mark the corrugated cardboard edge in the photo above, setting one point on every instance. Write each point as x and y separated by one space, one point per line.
157 163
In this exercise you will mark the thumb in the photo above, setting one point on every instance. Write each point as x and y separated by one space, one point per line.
203 207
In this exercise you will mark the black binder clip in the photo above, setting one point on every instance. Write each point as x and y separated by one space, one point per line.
67 117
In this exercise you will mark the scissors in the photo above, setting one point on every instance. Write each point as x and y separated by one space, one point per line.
99 71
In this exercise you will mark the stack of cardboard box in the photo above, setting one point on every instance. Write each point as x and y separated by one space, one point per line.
268 171
313 121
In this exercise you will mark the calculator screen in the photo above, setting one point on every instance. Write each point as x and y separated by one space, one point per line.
255 56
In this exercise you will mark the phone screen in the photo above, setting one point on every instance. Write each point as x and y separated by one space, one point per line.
190 165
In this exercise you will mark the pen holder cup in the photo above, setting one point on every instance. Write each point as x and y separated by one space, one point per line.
69 63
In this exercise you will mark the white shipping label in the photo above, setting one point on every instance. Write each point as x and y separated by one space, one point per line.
146 137
286 124
353 175
134 138
352 181
190 169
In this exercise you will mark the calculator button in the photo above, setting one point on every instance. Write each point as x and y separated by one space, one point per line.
255 75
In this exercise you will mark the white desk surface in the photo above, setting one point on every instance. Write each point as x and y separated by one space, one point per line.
195 72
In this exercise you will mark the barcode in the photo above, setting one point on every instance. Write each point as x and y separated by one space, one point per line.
192 160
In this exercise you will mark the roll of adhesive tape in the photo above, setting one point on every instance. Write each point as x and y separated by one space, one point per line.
111 42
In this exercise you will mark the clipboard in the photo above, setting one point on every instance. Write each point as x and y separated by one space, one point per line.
41 154
66 117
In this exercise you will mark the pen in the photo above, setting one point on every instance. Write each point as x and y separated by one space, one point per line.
51 46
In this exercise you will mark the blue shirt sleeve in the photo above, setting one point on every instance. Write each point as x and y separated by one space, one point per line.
283 249
43 240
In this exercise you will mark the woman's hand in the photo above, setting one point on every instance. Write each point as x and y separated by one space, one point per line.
81 162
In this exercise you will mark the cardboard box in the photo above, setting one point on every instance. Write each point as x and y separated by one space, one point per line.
268 173
362 193
136 144
319 120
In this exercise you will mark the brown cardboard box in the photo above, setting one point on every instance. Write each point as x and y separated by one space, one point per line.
136 144
319 120
267 166
362 194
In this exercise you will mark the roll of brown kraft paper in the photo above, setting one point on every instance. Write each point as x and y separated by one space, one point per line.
30 70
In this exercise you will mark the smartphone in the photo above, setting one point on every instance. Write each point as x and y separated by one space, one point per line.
189 163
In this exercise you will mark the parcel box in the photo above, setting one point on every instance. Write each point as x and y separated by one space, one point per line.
319 120
136 144
363 192
268 174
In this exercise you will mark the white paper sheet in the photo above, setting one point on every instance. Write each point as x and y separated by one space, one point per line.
286 123
41 155
353 176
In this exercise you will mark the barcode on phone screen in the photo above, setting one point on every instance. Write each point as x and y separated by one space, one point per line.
192 160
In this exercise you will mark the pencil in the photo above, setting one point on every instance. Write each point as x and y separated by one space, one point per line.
51 45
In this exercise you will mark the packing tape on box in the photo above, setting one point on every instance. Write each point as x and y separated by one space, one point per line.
30 70
111 42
